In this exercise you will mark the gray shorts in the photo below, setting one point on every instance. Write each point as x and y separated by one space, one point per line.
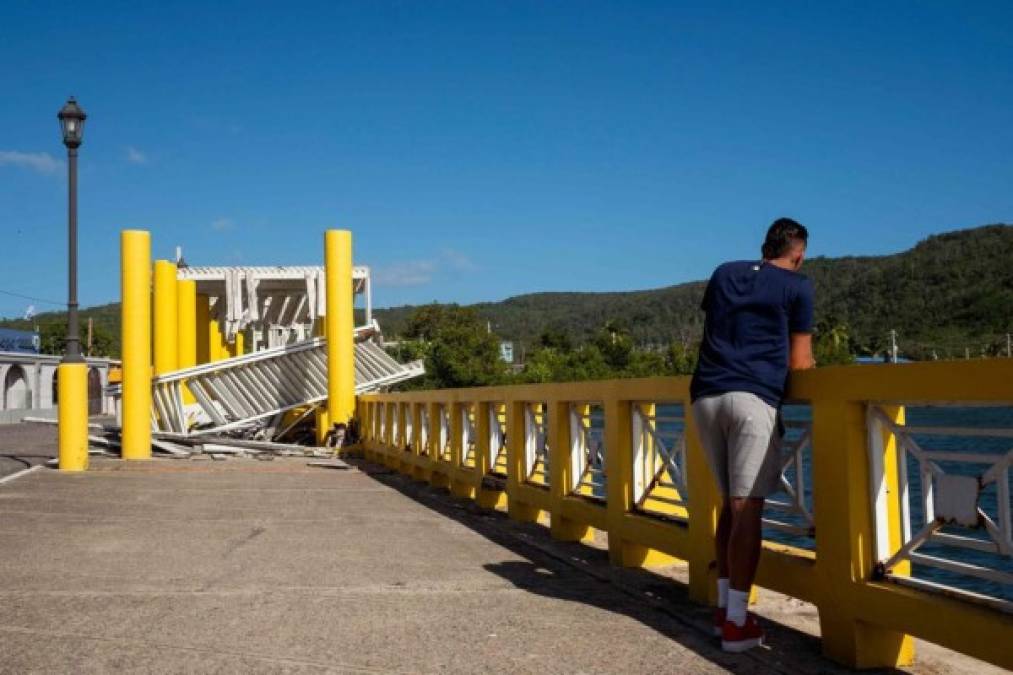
738 432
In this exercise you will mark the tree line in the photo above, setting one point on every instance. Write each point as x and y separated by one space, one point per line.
459 350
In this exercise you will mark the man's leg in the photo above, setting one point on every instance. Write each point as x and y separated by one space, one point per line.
745 540
721 545
753 468
722 536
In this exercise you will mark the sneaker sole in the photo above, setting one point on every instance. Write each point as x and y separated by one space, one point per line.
741 645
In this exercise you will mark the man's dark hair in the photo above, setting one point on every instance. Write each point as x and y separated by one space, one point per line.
782 235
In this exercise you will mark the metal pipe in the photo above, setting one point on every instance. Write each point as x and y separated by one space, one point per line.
73 351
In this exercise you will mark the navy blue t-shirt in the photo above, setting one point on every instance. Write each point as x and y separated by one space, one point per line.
751 309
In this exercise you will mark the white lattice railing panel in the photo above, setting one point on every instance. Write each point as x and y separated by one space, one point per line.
789 511
953 499
659 459
497 439
408 439
393 426
587 450
444 451
377 413
423 429
536 445
469 435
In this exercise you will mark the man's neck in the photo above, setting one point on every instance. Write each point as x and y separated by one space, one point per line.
783 263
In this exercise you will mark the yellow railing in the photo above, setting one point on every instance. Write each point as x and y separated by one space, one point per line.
570 452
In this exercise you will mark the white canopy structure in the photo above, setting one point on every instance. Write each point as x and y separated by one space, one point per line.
278 305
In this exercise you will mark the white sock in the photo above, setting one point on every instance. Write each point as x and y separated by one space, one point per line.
737 603
723 592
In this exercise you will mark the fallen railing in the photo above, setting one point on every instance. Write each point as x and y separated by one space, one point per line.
622 457
234 393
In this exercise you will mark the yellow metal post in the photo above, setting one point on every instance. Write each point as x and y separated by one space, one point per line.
340 327
321 415
845 527
703 517
218 348
72 413
203 328
186 328
560 478
135 308
627 549
166 317
236 348
517 509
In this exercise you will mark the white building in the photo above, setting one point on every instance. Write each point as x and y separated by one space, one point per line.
28 386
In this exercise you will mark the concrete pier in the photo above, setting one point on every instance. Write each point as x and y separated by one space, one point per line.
253 566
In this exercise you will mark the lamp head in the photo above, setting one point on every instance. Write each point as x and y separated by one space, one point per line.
72 119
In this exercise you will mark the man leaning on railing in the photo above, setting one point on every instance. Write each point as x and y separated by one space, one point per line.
759 317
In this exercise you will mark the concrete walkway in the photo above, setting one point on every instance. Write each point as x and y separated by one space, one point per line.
277 566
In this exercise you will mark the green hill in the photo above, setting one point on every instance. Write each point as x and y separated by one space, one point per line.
951 292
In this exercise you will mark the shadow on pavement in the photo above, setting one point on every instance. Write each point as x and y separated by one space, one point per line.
578 573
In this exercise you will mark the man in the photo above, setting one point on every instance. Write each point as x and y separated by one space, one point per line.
758 326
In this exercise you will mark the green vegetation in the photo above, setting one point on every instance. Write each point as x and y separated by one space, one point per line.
52 327
951 294
457 349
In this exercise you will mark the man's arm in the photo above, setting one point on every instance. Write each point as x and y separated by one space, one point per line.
800 351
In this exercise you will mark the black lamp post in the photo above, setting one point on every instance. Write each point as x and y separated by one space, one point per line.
72 119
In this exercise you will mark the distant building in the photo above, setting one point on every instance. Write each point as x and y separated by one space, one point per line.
28 385
21 341
506 351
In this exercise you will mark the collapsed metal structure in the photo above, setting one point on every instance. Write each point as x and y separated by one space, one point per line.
278 309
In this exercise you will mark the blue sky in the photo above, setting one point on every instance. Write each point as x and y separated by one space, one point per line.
481 150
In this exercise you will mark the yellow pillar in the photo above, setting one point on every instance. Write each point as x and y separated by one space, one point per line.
135 308
218 349
72 413
844 523
321 415
340 327
186 328
703 517
561 475
166 354
238 346
203 321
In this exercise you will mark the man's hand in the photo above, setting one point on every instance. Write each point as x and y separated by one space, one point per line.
800 351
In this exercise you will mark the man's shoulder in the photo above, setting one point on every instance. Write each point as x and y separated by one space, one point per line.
733 266
791 276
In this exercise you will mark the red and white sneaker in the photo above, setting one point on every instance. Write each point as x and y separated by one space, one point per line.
740 638
720 616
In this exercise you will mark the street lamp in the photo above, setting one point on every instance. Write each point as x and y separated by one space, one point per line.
72 374
72 119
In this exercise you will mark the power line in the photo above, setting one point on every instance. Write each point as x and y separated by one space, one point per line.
29 297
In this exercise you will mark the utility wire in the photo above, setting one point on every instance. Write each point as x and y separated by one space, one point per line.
29 297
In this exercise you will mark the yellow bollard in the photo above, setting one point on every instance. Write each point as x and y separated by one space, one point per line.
202 318
186 329
135 290
72 412
166 354
340 326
